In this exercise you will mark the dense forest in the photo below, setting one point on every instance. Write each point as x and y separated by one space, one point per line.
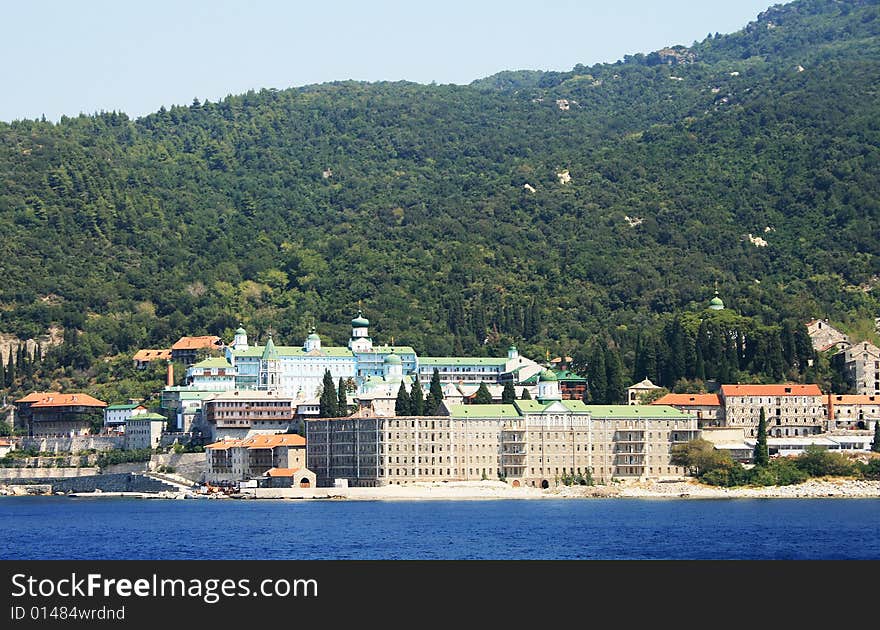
561 211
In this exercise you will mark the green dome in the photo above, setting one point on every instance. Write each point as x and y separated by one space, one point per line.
313 337
240 331
360 321
715 303
393 359
547 375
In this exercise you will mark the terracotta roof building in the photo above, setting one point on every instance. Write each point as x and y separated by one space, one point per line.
790 409
706 407
51 413
186 349
143 358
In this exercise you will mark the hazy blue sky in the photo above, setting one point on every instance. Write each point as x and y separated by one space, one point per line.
66 57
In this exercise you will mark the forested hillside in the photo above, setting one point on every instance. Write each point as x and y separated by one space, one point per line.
549 209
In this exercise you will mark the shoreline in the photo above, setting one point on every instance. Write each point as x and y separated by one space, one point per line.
818 488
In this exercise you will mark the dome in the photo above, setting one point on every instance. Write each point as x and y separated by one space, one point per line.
240 331
393 359
313 337
715 303
360 321
547 375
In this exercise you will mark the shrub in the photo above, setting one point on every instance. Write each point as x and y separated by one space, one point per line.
819 462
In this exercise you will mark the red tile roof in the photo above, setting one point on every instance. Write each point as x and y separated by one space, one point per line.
35 396
151 355
223 444
689 400
271 441
785 389
196 343
281 472
67 400
855 399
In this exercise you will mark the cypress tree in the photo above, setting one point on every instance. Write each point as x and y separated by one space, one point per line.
598 377
10 368
416 400
509 394
435 393
615 392
483 397
875 445
328 402
525 395
401 406
341 399
762 454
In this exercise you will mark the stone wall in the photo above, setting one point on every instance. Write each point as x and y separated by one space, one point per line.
73 444
128 467
124 482
46 473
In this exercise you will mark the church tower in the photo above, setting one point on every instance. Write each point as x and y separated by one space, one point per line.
548 387
270 367
360 338
240 341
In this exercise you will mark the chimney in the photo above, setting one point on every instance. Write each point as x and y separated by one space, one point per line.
169 380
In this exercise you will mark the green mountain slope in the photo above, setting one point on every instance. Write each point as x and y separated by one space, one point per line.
282 209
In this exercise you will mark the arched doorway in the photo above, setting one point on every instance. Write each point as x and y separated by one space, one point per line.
515 483
545 484
304 484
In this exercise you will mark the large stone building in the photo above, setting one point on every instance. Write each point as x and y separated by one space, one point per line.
242 414
238 460
536 443
826 337
852 411
861 367
790 409
50 413
144 430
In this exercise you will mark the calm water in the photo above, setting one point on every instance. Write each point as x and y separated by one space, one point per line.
64 528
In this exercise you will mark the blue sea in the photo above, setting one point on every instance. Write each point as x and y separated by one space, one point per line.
608 529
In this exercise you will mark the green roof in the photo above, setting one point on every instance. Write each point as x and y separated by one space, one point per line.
360 321
534 406
662 412
427 361
293 351
530 406
213 362
483 411
123 407
313 337
393 359
569 376
389 350
269 351
149 416
547 375
240 331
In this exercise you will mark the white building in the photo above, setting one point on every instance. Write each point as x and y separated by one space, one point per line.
861 364
117 415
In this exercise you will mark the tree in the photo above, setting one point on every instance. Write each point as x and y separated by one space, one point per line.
615 392
401 406
483 397
342 399
328 401
598 376
435 393
525 395
509 394
416 400
700 457
762 454
875 445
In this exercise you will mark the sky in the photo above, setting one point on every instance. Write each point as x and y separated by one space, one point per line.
66 57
